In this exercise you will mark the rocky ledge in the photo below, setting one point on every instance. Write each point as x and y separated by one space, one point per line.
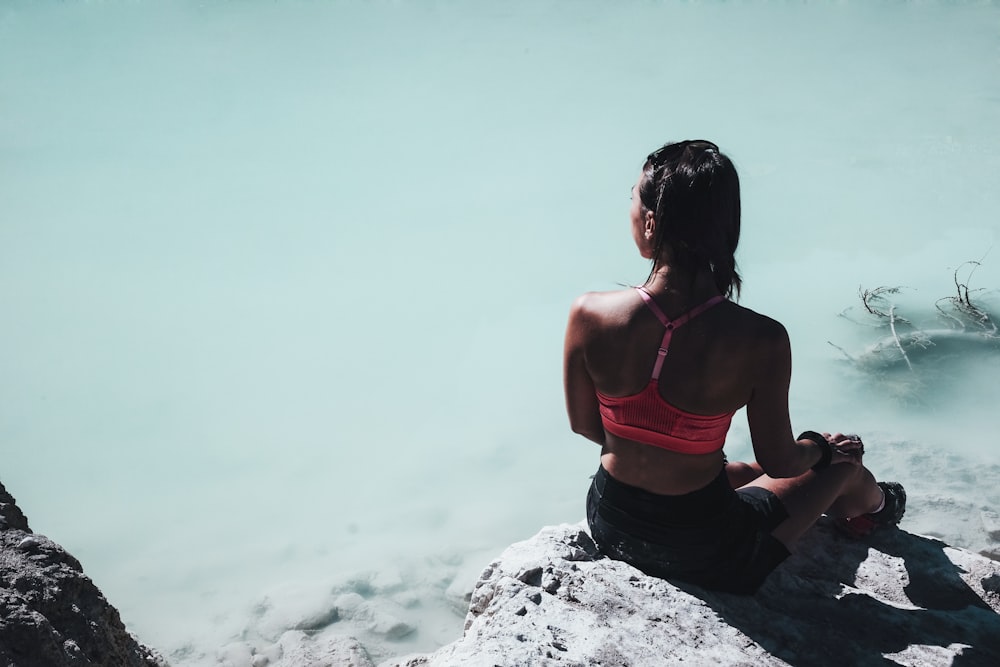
51 614
895 598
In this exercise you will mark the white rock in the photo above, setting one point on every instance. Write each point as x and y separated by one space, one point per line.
271 655
387 581
298 605
236 654
300 650
388 625
461 586
407 599
552 601
348 603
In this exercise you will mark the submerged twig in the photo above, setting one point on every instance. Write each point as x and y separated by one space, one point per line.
967 324
874 300
962 302
945 313
963 288
845 314
842 350
892 327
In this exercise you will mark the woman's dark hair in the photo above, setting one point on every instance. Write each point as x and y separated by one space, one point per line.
694 193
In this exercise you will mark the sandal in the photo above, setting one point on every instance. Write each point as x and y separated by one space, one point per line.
890 514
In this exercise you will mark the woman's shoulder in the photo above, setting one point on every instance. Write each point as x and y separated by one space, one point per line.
758 325
603 300
602 309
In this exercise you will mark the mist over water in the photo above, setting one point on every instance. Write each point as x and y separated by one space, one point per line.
285 283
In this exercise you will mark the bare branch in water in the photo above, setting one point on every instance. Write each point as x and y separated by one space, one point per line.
969 324
945 313
962 301
845 313
874 300
963 288
892 326
842 350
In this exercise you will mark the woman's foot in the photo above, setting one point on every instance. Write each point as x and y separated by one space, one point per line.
890 514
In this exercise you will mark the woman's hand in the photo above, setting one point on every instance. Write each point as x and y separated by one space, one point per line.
846 448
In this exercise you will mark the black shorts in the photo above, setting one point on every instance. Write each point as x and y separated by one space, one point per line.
715 537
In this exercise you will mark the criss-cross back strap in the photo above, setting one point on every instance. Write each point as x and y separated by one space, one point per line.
670 325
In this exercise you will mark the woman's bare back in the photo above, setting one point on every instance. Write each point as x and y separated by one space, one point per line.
710 369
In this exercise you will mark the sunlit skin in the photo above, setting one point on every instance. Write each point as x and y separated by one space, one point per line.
726 358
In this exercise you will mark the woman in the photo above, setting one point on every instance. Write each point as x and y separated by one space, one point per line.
654 375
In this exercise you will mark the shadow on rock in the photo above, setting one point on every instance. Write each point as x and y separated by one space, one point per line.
832 604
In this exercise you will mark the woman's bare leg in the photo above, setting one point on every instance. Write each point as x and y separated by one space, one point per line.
740 473
842 490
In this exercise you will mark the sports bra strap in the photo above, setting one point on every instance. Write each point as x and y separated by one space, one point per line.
648 298
670 325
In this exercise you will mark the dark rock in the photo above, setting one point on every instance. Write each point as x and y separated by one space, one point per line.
51 614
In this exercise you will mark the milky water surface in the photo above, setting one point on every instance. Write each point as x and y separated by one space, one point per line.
285 283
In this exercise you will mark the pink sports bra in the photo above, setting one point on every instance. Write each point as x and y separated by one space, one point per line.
647 418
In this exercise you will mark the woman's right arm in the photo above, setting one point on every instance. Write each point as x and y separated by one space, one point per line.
581 397
776 449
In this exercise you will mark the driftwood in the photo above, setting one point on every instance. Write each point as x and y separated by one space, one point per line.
956 326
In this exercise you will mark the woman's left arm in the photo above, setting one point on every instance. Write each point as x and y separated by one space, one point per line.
581 397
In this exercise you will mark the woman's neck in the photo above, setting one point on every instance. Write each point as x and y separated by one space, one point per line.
665 279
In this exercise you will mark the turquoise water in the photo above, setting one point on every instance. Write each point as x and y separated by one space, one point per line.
285 283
